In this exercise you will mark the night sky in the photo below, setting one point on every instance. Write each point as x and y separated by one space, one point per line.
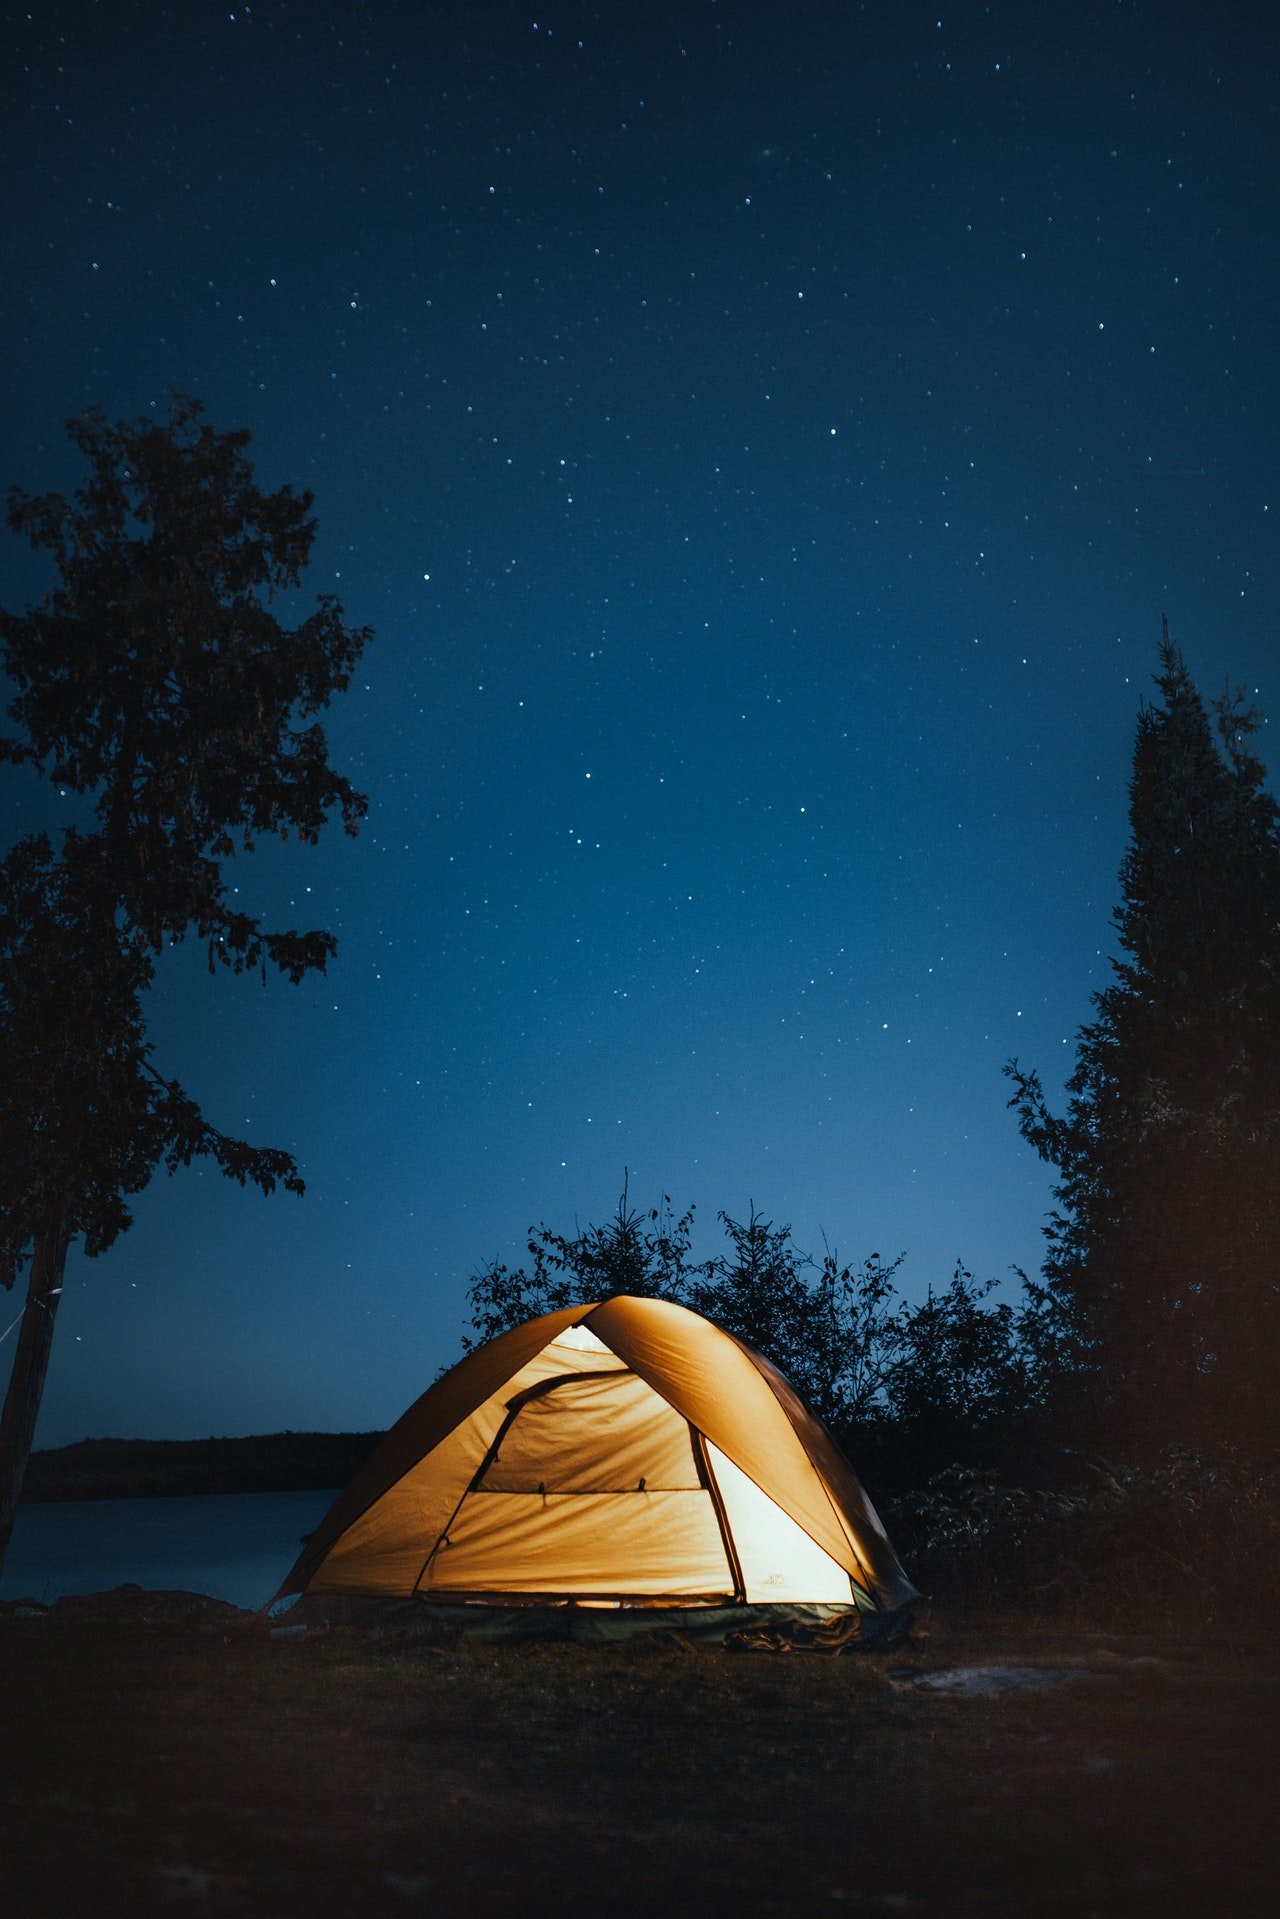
765 440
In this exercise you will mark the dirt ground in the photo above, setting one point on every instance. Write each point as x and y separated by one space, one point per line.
168 1756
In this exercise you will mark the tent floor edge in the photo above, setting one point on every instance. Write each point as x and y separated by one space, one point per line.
762 1626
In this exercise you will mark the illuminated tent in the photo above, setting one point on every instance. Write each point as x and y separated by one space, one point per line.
625 1454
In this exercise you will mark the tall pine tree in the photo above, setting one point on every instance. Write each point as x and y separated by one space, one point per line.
1165 1248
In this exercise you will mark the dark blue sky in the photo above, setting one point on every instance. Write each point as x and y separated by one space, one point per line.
765 440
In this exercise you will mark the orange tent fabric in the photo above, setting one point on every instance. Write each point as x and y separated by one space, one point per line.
628 1451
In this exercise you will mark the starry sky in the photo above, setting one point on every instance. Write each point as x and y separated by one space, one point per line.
765 440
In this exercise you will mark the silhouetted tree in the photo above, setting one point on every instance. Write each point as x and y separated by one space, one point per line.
643 1254
852 1337
826 1332
1165 1248
945 1375
830 1328
757 1290
156 681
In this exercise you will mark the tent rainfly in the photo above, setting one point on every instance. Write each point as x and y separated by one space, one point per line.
624 1454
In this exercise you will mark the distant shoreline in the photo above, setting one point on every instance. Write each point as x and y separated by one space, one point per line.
171 1468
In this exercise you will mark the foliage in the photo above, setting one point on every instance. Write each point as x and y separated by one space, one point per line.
827 1326
156 682
957 1359
644 1254
85 1118
1164 1252
967 1534
157 678
1187 1532
862 1357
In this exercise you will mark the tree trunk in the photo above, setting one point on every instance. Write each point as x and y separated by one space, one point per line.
30 1364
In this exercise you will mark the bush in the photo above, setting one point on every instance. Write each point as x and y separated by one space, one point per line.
1186 1532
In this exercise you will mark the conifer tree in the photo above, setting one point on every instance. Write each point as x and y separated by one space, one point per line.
1165 1248
156 682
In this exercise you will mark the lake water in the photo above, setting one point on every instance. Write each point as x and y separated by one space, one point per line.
234 1546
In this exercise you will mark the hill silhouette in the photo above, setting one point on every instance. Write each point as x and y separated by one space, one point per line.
156 1468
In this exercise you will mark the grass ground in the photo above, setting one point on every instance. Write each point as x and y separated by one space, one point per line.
164 1761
